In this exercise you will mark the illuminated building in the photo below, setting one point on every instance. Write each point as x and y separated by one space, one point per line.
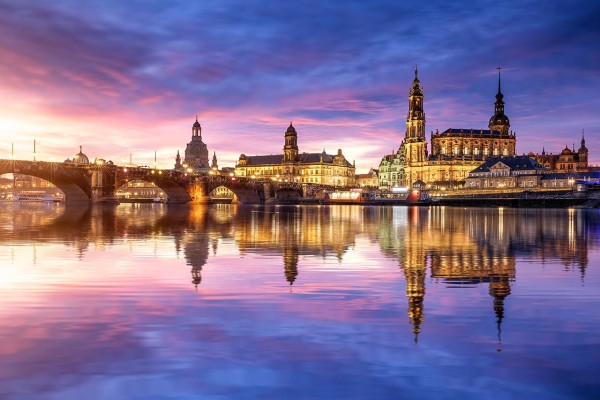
503 173
567 161
293 166
454 152
506 172
368 180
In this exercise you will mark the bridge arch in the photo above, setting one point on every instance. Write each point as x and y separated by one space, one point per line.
175 191
73 182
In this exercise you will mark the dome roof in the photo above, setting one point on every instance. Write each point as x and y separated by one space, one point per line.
80 158
566 151
196 124
499 119
291 129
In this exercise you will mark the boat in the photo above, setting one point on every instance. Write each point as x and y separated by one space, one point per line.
36 196
396 196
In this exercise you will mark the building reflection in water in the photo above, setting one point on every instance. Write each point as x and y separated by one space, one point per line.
456 247
463 247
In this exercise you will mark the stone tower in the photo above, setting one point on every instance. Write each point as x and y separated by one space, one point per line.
290 150
415 143
214 164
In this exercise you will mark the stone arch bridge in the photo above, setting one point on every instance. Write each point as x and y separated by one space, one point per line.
97 183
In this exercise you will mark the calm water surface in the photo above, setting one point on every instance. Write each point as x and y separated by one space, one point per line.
340 302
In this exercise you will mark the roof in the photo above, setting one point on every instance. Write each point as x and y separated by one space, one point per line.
452 131
304 158
265 160
515 163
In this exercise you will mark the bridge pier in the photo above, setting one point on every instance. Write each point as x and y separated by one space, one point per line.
104 185
198 192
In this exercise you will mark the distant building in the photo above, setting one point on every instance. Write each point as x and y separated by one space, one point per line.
368 180
567 161
293 166
79 158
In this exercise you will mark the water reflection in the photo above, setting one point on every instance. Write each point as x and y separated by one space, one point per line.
458 246
382 296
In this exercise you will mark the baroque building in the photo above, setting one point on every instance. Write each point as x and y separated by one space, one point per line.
568 160
293 166
196 152
454 152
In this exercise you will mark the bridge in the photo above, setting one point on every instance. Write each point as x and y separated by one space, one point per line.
98 183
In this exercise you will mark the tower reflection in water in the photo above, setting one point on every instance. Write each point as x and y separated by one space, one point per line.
456 247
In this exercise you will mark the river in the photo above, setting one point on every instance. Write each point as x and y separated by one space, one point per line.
146 301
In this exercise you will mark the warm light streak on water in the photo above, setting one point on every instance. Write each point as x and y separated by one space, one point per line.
219 302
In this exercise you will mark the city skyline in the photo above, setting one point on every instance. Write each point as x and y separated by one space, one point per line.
121 85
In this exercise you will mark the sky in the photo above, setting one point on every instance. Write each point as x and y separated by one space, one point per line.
126 79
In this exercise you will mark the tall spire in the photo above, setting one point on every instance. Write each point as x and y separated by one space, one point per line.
499 68
416 74
499 121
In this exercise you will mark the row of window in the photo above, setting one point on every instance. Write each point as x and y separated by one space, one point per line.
466 151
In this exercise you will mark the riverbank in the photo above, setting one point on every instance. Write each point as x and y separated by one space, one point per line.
537 199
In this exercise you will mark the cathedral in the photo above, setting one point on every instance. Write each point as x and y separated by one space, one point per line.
293 166
196 153
454 152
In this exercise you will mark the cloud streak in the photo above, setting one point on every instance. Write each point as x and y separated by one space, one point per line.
136 73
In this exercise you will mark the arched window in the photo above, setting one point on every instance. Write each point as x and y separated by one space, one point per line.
495 151
486 151
476 151
444 150
466 151
456 150
505 152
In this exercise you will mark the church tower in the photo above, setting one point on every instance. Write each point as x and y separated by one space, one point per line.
290 150
178 166
583 153
499 121
214 164
414 142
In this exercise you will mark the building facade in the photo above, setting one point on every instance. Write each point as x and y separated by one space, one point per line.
293 166
524 172
506 173
569 160
368 180
454 152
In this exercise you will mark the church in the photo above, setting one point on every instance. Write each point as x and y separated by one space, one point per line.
196 153
454 152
